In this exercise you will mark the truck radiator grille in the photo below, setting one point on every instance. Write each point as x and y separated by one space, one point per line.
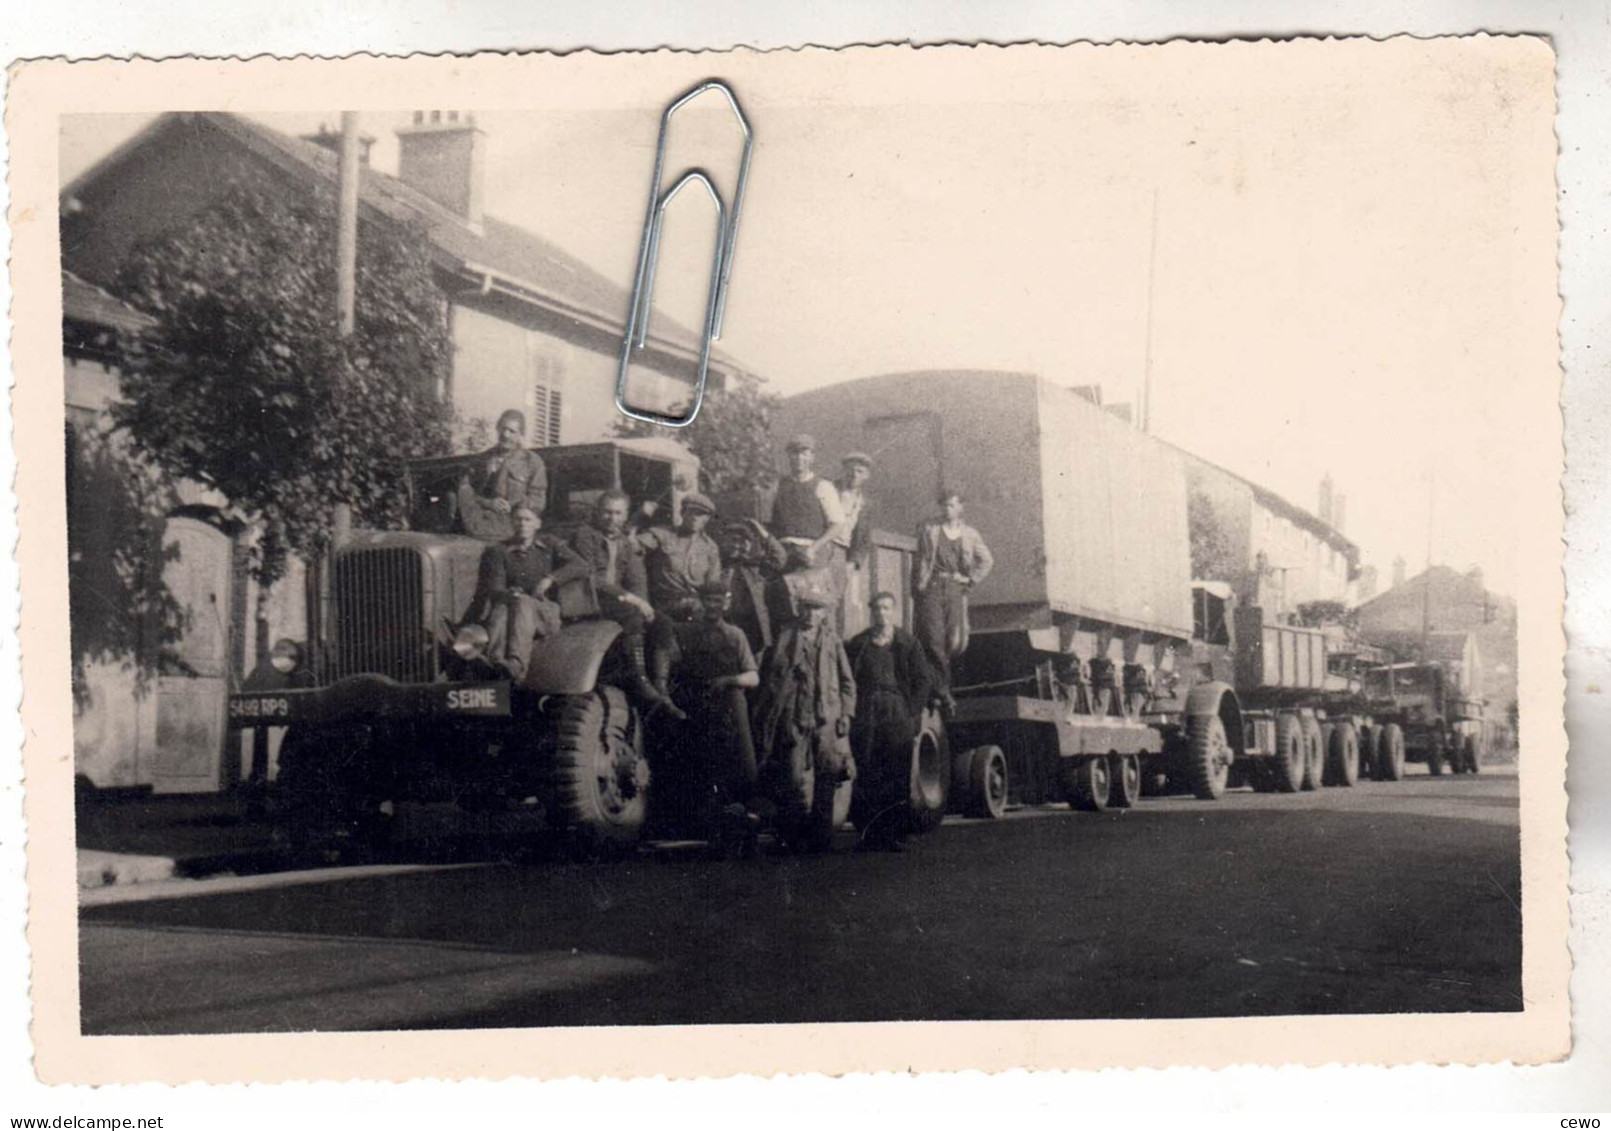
381 616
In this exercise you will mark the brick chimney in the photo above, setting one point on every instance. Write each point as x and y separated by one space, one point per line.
1339 513
1399 566
1325 498
330 139
440 155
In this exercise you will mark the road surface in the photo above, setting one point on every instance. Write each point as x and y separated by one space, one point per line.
1380 898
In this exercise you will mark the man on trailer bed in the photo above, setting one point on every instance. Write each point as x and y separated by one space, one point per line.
801 723
808 519
621 586
856 533
894 682
500 479
511 599
707 665
951 559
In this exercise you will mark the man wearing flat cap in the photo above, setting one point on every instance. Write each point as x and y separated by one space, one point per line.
680 561
856 534
808 519
801 721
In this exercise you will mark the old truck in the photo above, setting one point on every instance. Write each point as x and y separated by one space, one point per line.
388 714
1095 666
1433 701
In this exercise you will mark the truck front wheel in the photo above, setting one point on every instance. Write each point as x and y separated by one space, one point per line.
1435 753
1210 756
598 779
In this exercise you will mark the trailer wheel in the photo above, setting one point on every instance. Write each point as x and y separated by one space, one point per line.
1291 756
1314 752
1435 754
1343 755
1124 772
598 778
984 769
1210 756
931 775
1086 784
1367 754
1390 752
1473 755
1327 777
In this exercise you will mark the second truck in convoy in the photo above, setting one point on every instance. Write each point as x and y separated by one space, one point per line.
1097 664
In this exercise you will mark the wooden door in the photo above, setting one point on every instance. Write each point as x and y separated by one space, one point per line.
194 682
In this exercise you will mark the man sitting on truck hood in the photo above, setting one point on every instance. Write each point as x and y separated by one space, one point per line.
511 597
622 586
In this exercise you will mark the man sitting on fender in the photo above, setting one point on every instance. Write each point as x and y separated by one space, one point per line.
511 597
622 586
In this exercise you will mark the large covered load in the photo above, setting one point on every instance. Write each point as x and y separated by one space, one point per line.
1088 608
1086 516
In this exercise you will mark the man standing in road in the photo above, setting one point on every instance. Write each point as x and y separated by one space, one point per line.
621 584
802 719
894 682
501 478
707 666
808 519
951 559
511 598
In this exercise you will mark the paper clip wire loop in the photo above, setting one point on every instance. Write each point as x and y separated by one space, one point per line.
637 327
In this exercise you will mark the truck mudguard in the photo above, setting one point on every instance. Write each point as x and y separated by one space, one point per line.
1217 698
568 662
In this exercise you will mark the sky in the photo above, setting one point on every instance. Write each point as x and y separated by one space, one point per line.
1320 258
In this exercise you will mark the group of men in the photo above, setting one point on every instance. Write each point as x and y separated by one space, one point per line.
811 709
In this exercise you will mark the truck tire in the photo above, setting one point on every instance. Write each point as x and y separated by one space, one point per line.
1435 750
1210 762
1367 753
983 769
1314 752
1326 776
1390 752
1342 755
1124 772
912 787
598 778
1086 784
1287 767
1473 752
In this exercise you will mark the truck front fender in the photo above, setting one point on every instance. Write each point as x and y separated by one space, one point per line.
1217 698
567 663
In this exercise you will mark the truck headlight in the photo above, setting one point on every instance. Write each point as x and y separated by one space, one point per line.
286 657
469 641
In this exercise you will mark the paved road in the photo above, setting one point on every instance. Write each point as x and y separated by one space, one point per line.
1398 897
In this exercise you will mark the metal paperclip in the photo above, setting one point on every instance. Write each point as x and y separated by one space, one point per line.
637 327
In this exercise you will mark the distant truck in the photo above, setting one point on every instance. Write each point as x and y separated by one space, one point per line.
1442 723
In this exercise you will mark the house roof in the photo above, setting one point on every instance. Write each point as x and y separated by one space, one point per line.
1275 504
85 302
522 263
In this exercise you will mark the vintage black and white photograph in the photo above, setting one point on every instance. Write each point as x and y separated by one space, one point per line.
1049 535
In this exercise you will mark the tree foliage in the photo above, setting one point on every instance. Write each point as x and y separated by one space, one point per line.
1211 555
245 384
1318 614
732 436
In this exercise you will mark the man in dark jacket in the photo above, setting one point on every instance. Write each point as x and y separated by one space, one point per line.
622 586
894 683
801 723
512 591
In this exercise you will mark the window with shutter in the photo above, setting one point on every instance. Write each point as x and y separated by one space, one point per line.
548 375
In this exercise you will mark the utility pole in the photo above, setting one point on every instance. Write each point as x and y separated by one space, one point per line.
347 224
1145 413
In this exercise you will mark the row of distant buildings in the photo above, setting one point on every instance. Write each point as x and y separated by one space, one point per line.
532 327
